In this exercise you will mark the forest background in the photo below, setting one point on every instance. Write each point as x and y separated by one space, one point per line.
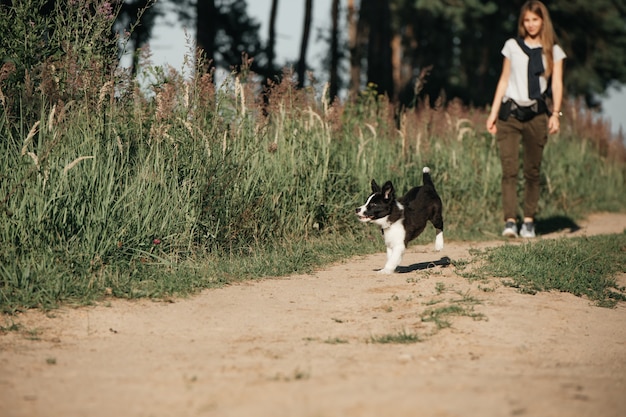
171 34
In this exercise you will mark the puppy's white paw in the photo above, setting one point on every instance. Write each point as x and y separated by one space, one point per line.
385 271
439 242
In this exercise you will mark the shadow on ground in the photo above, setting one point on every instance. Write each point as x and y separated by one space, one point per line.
443 262
555 224
545 226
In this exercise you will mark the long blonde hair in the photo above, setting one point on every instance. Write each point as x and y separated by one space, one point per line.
547 35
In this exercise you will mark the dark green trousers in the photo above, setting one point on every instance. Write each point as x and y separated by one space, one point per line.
533 135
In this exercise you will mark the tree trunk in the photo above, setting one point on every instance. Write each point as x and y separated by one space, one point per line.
379 67
334 51
355 34
396 64
271 38
206 22
306 31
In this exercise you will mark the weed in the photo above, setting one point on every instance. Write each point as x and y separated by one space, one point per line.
297 375
13 327
336 341
33 334
466 298
433 302
486 289
463 306
440 316
402 337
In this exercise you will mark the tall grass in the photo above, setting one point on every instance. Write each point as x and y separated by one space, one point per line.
133 191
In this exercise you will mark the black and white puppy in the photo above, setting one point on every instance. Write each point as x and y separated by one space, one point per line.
403 219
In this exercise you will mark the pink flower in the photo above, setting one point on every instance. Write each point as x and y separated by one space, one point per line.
106 10
156 241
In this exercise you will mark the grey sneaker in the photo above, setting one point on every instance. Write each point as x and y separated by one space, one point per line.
510 230
527 230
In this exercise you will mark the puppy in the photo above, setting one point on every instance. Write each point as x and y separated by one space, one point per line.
403 219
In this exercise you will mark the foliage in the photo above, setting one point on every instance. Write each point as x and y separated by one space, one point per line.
116 189
466 50
225 32
594 36
460 41
54 51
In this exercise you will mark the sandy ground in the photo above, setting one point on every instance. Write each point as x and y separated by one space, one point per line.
304 346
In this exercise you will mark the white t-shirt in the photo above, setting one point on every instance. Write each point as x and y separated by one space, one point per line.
517 89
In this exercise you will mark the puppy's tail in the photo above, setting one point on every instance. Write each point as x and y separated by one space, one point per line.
426 177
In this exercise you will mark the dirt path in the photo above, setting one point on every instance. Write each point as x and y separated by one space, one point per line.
302 346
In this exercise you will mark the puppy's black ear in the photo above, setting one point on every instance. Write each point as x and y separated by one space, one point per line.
375 187
388 191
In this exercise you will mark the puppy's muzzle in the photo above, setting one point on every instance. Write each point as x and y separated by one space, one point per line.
360 212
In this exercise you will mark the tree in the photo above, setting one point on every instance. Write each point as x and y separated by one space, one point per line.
140 15
271 42
462 40
306 30
392 42
334 51
225 33
206 30
593 35
376 15
453 38
356 41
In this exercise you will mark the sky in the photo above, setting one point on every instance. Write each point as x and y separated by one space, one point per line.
169 44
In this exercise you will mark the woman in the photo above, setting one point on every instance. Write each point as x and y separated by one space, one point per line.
533 63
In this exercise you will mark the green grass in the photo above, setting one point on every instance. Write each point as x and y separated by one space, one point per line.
153 216
584 266
336 341
440 311
401 337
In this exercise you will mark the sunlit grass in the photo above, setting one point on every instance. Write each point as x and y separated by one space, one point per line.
584 266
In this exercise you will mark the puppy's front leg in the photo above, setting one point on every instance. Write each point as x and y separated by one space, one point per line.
439 240
394 257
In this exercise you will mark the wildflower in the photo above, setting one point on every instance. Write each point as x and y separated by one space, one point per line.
106 11
156 241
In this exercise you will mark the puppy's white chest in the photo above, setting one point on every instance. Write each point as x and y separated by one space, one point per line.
394 234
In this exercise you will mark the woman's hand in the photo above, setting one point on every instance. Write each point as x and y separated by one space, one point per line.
554 123
491 123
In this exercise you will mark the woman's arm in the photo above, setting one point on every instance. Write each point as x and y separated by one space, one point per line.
557 96
499 94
